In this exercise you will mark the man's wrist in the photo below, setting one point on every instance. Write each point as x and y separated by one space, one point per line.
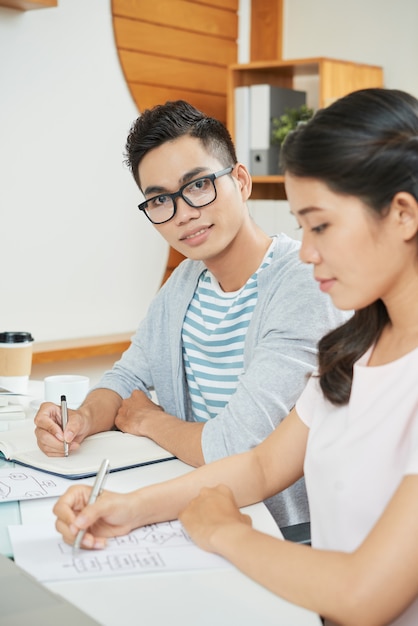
86 420
99 410
154 421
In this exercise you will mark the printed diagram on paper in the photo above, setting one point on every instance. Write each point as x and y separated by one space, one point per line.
20 483
148 548
159 547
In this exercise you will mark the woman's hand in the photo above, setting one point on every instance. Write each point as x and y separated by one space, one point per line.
111 515
212 512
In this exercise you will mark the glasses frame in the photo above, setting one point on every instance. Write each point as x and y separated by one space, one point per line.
179 194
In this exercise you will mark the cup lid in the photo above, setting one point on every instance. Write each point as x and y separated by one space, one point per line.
15 337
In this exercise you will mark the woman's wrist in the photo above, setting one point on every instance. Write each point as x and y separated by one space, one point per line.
226 538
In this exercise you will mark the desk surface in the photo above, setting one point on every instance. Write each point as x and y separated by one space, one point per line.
202 598
198 598
206 598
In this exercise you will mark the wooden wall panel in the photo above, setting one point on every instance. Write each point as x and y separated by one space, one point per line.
150 70
232 5
147 38
171 49
183 14
213 105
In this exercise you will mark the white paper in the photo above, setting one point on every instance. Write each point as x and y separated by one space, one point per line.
21 483
162 547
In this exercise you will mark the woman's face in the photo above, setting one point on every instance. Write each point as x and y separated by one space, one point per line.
357 256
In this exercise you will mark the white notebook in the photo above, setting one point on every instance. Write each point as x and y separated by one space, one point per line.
122 449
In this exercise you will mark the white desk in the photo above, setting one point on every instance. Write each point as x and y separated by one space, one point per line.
10 511
202 598
199 598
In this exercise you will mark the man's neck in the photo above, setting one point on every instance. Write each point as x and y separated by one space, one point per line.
240 260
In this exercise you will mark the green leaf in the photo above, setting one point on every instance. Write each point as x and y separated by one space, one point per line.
287 122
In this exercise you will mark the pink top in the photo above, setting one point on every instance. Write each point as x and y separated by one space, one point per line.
358 454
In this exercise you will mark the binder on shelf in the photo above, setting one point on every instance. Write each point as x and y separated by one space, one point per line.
242 124
266 103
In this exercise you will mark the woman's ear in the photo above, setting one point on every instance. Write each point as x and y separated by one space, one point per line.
405 210
244 181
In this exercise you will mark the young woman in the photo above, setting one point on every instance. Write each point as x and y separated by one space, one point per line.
352 184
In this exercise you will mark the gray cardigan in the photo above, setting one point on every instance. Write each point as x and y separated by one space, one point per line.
280 352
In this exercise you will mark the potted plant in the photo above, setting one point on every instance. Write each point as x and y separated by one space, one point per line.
281 126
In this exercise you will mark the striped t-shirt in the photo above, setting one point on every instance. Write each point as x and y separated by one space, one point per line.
213 339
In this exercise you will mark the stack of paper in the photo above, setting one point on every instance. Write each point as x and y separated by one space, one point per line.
10 411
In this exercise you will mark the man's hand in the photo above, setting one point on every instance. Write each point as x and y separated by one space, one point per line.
48 429
96 414
134 413
138 415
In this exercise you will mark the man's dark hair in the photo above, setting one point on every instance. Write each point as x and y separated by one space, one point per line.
171 120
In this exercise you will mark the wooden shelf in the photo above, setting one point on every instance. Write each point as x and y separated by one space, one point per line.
28 5
268 188
82 348
324 81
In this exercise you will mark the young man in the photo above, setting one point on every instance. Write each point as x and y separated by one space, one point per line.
230 339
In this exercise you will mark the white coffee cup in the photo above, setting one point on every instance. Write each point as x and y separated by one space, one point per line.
72 386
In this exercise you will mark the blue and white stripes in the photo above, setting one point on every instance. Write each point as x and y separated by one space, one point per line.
213 338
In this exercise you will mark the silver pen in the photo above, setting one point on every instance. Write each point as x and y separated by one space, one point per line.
95 492
64 418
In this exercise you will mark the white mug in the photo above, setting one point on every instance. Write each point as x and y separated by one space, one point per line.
73 387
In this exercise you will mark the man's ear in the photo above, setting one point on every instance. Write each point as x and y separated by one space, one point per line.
243 178
405 210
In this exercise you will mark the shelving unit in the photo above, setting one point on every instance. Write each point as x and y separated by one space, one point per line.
324 81
28 5
82 348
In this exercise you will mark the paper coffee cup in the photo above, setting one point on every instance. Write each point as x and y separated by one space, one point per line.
72 386
15 360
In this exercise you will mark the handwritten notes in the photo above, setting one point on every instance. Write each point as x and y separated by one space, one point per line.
20 483
159 547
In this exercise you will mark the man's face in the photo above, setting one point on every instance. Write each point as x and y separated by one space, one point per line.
198 233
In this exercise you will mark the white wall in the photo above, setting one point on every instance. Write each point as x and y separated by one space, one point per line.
377 32
76 256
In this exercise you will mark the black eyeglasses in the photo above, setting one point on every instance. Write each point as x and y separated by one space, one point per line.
198 193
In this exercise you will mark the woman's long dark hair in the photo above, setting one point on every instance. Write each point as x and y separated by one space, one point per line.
363 145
